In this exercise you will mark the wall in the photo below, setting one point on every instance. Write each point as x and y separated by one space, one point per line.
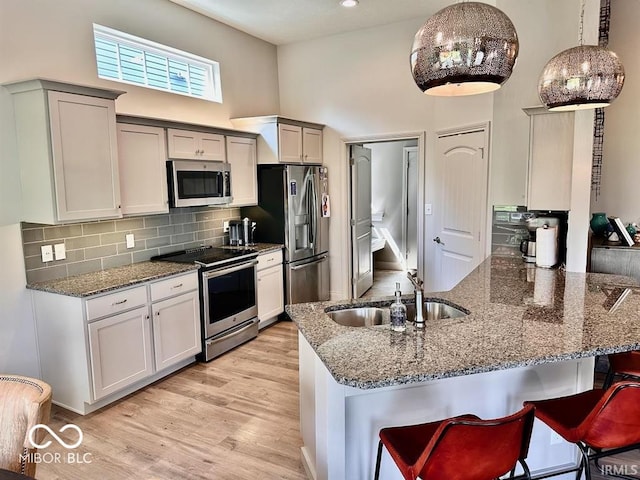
360 84
41 38
621 162
99 245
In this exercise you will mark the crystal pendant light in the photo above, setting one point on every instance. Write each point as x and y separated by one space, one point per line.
464 49
582 77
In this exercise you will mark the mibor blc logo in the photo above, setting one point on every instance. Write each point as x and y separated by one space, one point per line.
56 457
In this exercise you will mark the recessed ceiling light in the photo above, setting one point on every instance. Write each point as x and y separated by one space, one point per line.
349 3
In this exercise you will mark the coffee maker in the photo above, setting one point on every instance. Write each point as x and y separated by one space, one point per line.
241 232
529 246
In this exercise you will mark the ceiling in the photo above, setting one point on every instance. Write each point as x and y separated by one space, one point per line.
289 21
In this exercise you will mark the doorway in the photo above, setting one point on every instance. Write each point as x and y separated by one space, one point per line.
389 219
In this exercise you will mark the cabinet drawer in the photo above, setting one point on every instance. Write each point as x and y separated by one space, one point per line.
116 302
270 259
173 286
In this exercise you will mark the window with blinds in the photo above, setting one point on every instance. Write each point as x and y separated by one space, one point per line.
128 59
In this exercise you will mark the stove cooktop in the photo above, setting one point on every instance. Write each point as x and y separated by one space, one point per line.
207 256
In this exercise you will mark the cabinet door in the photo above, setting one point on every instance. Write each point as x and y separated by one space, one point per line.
183 143
241 153
550 161
176 329
312 145
289 143
85 156
143 175
120 351
212 147
270 293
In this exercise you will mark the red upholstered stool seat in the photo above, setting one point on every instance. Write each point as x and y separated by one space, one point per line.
626 364
599 422
459 448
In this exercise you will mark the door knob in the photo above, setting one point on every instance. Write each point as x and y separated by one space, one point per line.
437 240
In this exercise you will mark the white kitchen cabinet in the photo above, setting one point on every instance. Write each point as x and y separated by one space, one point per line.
67 149
95 350
192 145
241 154
120 351
142 156
270 287
283 140
550 159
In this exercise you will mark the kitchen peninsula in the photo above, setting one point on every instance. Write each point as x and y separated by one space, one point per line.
530 334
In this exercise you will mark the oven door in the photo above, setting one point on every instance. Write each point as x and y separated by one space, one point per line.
228 297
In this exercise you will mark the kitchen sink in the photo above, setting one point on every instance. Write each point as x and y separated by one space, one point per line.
360 317
433 310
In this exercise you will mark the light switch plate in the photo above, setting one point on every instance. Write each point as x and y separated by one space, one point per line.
47 253
60 251
225 226
131 240
427 209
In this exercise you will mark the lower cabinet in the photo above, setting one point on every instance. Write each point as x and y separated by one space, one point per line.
98 349
270 287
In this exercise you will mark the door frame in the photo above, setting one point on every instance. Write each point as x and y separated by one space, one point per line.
430 248
405 203
420 137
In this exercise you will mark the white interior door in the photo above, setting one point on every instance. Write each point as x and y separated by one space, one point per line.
361 256
460 205
410 207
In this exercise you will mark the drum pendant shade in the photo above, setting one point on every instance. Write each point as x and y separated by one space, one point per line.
464 49
582 77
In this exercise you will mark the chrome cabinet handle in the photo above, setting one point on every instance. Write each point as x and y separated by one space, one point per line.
177 286
437 240
119 303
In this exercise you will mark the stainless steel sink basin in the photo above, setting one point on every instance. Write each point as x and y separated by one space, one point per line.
435 311
360 317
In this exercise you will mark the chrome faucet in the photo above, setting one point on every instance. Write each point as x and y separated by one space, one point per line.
417 282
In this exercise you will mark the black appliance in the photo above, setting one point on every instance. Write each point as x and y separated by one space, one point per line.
228 297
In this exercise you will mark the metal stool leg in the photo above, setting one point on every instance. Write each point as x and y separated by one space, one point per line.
608 380
379 457
584 463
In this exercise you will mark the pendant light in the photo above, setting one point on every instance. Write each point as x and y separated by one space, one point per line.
464 49
582 77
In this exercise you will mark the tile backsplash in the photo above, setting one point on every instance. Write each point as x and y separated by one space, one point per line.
99 245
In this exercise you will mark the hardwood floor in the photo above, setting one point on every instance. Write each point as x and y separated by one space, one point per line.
235 418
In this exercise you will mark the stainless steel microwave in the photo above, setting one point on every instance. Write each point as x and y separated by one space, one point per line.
195 183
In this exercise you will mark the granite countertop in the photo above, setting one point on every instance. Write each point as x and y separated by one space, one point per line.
519 315
260 247
111 279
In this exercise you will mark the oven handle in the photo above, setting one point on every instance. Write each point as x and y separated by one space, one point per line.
231 333
224 270
304 265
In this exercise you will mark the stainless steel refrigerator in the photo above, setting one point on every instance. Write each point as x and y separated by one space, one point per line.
292 199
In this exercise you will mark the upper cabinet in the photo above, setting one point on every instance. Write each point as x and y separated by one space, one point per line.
241 155
283 140
550 159
194 145
67 148
142 154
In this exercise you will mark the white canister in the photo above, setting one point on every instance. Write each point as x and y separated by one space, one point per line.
546 246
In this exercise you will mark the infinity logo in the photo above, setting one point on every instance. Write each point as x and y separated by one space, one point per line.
33 430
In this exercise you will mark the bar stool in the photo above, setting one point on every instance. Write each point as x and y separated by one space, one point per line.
463 447
626 364
595 420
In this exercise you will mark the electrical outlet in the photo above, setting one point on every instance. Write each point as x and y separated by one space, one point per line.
60 251
47 253
225 226
131 240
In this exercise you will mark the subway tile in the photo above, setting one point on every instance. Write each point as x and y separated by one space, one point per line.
172 248
188 227
192 245
169 230
25 225
183 238
206 225
63 231
204 234
182 218
32 235
225 214
112 238
144 255
129 224
158 242
156 220
145 233
82 242
33 249
94 228
97 252
72 256
33 263
87 266
47 274
122 247
116 261
203 216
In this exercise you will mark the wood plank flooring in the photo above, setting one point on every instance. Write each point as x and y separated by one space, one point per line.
235 418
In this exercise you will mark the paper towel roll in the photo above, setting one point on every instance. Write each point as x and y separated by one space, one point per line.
544 287
546 246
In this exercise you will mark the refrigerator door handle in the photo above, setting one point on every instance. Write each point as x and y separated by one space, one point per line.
304 265
310 219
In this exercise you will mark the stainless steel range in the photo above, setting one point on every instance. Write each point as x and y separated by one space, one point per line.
228 299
